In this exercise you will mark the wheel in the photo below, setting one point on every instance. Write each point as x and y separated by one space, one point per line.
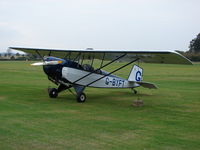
53 93
81 98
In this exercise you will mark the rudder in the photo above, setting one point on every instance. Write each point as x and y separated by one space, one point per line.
136 74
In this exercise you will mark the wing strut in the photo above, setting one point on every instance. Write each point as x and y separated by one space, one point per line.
77 57
92 60
102 59
100 68
113 71
82 58
49 53
67 55
39 55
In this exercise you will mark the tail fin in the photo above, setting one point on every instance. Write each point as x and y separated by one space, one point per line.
136 74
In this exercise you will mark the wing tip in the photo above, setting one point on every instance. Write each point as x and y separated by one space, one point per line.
187 61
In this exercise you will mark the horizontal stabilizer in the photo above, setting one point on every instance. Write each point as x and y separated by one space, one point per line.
147 85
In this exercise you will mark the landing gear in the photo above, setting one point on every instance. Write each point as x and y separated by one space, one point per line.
134 91
81 98
53 93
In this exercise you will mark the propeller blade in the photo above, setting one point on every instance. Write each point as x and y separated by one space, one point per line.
38 64
46 63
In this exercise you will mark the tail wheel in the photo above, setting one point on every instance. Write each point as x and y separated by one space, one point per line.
134 91
53 93
81 98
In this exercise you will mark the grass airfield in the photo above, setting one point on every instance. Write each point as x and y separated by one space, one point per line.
169 119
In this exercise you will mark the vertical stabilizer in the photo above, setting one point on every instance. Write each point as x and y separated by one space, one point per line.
136 74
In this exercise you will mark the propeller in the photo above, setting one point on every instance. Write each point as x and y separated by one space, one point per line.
47 63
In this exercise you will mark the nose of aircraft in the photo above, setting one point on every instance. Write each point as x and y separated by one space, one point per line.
53 70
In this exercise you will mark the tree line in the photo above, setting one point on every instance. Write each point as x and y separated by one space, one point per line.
194 49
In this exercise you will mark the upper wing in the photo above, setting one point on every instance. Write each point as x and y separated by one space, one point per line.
149 56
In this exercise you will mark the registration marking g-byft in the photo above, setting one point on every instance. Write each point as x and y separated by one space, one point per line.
114 82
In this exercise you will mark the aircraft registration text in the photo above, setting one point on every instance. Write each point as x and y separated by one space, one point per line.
114 82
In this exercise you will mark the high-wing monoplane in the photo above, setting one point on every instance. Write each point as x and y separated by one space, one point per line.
65 68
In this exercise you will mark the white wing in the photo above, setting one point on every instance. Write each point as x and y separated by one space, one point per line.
149 56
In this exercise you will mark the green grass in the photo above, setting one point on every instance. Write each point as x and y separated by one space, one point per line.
169 119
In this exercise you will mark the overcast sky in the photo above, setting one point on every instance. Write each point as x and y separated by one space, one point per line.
100 24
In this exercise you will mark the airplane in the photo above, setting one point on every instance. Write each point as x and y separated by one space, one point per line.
65 68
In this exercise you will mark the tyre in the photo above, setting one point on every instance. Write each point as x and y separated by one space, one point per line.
81 98
53 93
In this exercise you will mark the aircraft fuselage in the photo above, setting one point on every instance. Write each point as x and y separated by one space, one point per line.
71 72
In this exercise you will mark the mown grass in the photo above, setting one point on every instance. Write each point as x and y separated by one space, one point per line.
169 119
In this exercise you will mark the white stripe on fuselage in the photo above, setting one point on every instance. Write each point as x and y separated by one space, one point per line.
72 74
